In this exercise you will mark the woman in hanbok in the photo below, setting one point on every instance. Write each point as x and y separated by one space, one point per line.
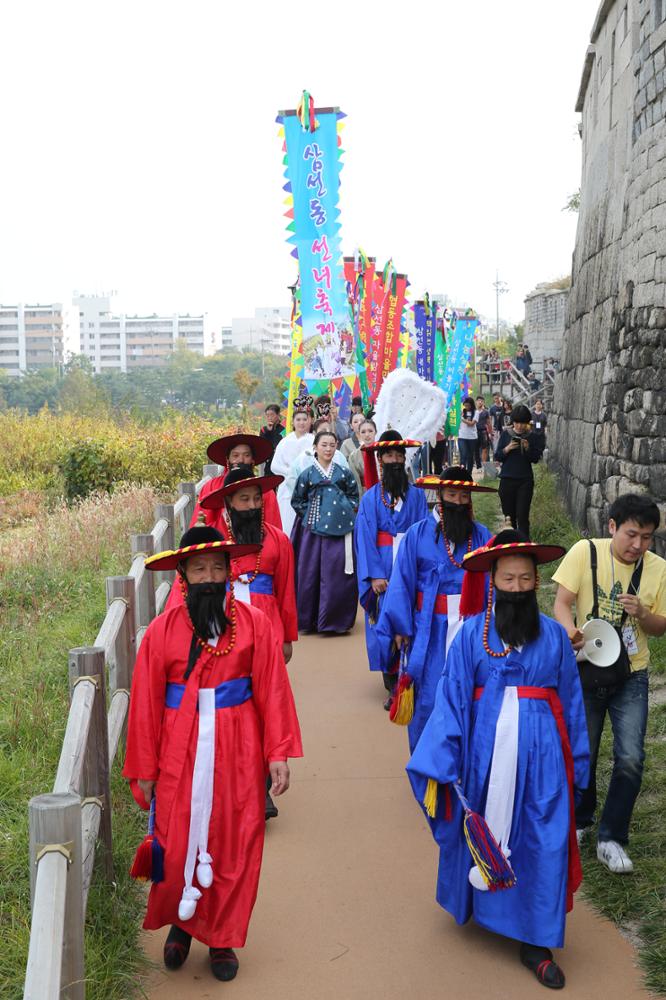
287 452
367 434
353 442
325 500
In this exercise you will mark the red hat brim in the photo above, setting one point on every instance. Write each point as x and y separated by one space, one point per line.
261 448
481 560
170 559
435 483
215 499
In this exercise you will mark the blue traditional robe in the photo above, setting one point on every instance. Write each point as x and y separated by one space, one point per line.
422 567
457 743
378 532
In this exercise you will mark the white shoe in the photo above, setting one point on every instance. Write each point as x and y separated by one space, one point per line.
581 834
614 856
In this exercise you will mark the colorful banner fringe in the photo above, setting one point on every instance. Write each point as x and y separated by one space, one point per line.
312 167
296 359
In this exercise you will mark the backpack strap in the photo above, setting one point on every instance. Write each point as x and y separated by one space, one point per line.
595 590
634 585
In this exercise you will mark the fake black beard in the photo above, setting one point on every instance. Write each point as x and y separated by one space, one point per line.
205 603
457 522
517 616
246 526
394 479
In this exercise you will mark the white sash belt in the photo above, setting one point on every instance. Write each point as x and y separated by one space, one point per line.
201 807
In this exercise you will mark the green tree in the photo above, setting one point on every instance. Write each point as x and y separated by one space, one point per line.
79 393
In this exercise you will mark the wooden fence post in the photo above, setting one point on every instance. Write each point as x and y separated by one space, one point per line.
211 470
165 511
88 661
121 666
55 828
189 490
144 545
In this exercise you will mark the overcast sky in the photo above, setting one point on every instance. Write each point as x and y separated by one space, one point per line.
139 150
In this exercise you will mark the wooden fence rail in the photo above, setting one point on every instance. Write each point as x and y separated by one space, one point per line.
66 824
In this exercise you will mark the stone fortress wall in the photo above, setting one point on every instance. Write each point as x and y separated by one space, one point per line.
607 432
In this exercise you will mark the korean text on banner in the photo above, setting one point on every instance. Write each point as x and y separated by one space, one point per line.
425 321
312 168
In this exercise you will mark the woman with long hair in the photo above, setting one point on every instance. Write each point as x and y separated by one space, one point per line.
325 500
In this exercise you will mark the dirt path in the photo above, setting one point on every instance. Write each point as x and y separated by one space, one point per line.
346 907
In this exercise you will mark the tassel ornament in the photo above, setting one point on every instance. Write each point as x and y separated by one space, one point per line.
490 861
148 864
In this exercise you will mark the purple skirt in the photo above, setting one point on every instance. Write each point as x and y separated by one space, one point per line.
326 596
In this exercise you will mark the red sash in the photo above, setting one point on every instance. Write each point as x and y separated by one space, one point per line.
441 603
384 539
575 870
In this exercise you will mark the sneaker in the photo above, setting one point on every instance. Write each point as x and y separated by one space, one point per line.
582 833
614 856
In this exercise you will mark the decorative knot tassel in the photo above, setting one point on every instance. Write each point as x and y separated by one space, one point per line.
402 709
430 798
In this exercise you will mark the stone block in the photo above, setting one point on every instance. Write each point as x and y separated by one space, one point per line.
657 319
626 485
658 482
659 59
612 488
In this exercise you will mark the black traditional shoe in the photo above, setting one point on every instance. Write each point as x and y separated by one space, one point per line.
271 809
540 961
388 703
176 948
224 963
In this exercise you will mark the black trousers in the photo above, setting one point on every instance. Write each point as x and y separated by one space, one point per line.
516 498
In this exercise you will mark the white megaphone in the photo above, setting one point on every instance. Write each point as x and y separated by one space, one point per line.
602 643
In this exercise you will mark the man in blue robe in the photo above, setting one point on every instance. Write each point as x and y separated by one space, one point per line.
509 726
422 604
385 513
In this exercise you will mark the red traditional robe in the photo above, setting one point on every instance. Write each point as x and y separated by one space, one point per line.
161 746
215 518
277 561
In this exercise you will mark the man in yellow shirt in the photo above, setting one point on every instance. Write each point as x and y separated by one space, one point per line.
633 520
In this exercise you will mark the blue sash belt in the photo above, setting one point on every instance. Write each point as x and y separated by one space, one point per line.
227 694
262 584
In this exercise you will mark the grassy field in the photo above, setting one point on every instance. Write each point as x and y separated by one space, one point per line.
51 599
636 903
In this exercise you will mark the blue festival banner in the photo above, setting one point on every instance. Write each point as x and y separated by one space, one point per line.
312 168
425 322
461 343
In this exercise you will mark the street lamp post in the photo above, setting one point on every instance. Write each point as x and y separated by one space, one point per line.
501 288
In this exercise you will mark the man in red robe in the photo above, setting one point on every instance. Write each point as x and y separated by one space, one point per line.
230 451
265 580
211 713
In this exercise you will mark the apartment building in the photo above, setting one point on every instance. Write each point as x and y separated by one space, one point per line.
120 342
31 336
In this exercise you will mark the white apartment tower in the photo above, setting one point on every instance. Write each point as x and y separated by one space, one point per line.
31 336
123 343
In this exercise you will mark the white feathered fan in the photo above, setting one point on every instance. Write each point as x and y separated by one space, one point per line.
409 404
